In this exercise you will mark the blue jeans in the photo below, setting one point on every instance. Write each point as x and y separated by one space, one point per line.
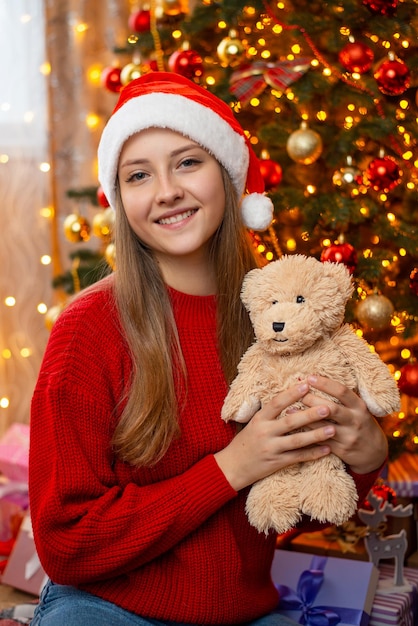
61 605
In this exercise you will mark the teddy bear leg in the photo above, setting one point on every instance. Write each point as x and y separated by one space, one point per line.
273 502
328 493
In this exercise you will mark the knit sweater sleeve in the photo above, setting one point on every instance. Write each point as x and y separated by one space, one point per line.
91 520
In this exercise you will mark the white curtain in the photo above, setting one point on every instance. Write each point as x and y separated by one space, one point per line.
25 280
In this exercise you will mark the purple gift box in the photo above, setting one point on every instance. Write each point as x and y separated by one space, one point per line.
319 589
396 609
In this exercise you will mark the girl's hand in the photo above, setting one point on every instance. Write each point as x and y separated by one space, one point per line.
359 440
267 444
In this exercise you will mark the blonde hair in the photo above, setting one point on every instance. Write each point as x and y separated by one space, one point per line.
149 419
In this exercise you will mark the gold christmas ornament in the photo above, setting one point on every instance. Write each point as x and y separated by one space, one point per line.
231 49
304 145
103 224
110 255
76 228
172 7
347 177
375 312
129 72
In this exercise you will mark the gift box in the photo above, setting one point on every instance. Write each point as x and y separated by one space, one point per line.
14 453
399 609
345 542
14 501
324 589
402 475
24 570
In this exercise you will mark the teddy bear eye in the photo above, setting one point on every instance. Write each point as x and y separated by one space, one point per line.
300 299
274 301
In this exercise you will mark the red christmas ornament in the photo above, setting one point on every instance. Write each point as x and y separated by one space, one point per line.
188 63
341 253
408 380
101 198
356 57
413 281
383 174
382 491
271 173
392 77
383 7
110 79
140 21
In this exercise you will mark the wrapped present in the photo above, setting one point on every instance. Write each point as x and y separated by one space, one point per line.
14 453
345 541
24 570
398 608
14 501
324 590
402 475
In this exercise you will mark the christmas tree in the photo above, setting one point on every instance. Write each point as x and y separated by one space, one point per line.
326 93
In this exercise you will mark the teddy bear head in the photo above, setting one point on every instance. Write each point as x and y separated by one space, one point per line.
295 301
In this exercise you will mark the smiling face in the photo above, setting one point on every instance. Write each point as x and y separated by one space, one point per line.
173 194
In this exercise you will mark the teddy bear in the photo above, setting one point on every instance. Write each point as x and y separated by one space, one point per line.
297 308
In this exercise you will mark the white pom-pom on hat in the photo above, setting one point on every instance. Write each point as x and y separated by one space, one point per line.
168 100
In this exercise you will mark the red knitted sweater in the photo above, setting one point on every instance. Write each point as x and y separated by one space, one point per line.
170 542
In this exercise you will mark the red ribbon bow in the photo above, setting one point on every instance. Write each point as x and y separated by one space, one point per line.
250 81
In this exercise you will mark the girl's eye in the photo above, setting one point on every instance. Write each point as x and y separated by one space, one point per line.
189 162
136 176
300 299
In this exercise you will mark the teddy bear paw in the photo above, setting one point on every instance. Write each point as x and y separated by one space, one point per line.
334 502
267 509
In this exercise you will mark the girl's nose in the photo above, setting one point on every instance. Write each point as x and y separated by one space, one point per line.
169 190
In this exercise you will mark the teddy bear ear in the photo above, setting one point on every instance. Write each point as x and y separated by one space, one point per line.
248 285
342 276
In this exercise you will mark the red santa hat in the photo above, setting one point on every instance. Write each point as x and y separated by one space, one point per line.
168 100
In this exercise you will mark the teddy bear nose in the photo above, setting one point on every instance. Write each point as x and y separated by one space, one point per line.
278 327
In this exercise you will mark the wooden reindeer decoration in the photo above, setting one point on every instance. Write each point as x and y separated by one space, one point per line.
377 545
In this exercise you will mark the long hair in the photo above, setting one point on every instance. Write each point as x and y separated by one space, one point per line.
149 420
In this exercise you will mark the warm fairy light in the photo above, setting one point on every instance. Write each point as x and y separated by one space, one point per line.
406 354
291 244
133 39
25 353
277 29
405 44
280 5
4 402
176 34
327 71
407 155
6 354
81 27
385 263
296 49
47 212
345 31
252 51
259 26
321 116
266 54
44 167
93 74
383 197
4 158
394 341
410 185
402 252
92 121
42 308
326 242
375 239
10 301
269 256
391 217
46 259
261 248
311 189
255 102
315 63
210 80
290 95
45 68
404 104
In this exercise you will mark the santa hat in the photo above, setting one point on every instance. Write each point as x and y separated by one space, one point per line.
168 100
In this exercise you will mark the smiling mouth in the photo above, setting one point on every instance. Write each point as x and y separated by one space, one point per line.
280 340
176 218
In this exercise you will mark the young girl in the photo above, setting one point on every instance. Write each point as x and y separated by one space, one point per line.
137 486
